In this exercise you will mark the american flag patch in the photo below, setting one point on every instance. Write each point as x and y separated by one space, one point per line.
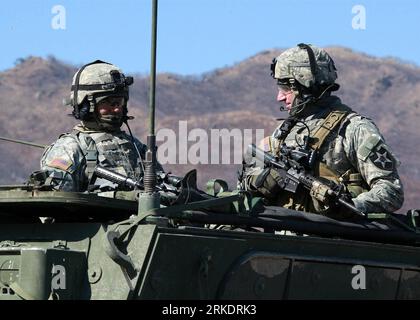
265 144
60 163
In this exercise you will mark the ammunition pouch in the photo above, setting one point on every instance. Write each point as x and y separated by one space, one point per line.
353 181
353 184
356 185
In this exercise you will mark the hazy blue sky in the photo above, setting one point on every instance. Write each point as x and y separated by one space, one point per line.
196 36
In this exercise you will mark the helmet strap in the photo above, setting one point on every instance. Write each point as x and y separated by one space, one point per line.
312 62
297 104
301 99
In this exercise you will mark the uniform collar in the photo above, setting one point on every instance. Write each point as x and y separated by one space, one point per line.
320 108
83 128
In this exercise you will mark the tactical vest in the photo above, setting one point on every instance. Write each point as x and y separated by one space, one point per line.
301 200
112 151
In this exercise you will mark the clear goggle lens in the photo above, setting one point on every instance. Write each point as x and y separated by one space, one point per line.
113 101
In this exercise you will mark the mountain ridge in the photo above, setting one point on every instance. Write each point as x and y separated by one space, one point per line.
238 96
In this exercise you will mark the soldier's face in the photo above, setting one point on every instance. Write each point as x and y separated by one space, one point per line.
111 106
286 96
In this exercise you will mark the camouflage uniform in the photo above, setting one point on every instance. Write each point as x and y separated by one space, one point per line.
66 162
354 146
69 163
353 153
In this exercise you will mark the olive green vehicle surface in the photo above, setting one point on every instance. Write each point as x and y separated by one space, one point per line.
101 248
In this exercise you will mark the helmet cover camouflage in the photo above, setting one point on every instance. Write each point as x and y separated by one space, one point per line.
294 63
99 80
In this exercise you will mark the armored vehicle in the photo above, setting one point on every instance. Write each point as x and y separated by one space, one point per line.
65 245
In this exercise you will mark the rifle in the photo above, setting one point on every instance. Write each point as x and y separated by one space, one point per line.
292 171
173 189
165 180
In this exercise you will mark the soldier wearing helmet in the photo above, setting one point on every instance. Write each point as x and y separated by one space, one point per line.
349 148
99 96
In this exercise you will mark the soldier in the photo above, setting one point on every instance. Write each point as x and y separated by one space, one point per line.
349 148
99 96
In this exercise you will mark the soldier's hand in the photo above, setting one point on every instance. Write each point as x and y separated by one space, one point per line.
266 182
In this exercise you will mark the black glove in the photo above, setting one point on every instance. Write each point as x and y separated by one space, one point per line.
266 183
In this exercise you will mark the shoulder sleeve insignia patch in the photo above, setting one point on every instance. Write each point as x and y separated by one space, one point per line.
382 158
60 163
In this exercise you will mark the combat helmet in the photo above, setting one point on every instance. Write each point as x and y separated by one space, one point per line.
308 70
93 83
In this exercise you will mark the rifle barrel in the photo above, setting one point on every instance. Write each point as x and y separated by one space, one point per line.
352 208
